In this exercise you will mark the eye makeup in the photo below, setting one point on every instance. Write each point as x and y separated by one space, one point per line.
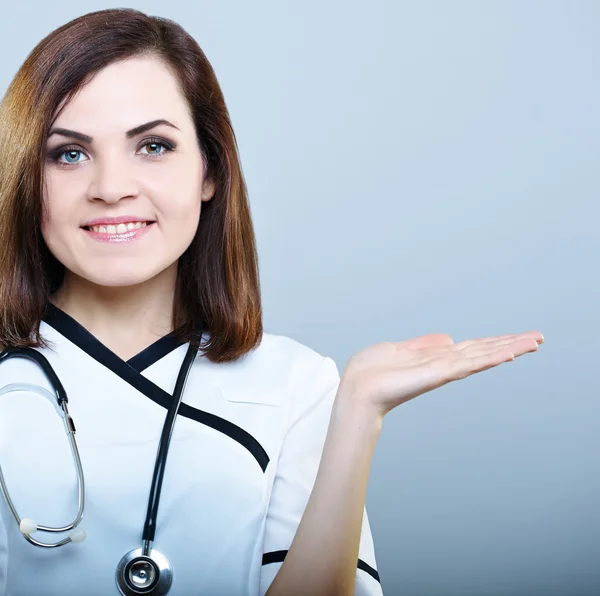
55 154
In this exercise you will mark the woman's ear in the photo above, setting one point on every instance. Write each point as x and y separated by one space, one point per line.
208 189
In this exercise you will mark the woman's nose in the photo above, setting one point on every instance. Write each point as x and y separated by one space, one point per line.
112 179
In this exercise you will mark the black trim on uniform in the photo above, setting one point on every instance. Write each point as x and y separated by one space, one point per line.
155 352
277 556
81 337
370 570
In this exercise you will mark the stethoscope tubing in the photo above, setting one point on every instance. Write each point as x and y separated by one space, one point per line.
146 554
163 448
60 401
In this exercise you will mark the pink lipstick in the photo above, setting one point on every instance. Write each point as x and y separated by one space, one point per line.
117 229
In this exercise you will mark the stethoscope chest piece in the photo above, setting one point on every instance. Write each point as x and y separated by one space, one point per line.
144 574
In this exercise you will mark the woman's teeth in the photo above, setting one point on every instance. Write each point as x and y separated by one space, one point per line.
118 229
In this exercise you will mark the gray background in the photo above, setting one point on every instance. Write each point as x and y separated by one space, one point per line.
429 167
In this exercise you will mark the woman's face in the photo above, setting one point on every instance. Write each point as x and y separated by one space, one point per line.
123 204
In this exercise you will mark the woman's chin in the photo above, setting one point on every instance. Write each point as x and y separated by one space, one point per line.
120 279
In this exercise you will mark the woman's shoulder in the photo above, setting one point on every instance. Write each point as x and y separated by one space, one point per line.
279 361
285 352
302 366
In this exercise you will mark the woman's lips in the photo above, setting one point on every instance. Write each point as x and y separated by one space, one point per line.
118 236
106 221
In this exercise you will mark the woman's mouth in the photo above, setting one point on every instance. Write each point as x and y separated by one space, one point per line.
121 232
118 228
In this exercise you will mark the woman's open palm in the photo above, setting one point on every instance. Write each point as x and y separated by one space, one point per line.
388 374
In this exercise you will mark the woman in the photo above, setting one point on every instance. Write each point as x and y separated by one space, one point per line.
128 247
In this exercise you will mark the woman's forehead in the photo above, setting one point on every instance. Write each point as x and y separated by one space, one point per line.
124 94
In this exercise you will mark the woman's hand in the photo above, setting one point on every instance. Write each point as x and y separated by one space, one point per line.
387 374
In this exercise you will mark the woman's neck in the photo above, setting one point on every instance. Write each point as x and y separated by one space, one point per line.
125 319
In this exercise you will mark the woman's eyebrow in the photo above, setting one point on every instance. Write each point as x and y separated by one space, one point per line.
130 133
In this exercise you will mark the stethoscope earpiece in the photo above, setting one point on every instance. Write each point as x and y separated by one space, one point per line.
28 526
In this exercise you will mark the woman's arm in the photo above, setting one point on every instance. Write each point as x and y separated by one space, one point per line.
322 557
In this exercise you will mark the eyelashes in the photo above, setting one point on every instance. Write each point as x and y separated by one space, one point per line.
57 153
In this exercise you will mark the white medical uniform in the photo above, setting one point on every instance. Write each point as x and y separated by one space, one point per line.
242 462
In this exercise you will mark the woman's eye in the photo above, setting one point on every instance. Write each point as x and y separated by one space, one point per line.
154 146
69 153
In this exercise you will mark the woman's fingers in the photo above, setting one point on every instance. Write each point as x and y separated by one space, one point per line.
485 361
486 357
517 348
489 347
535 335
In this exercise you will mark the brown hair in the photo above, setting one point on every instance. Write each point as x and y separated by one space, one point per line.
218 281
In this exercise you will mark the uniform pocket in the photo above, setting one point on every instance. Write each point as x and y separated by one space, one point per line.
251 395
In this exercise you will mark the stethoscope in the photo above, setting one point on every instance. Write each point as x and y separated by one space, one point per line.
143 570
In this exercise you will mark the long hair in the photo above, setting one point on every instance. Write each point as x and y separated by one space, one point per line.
218 281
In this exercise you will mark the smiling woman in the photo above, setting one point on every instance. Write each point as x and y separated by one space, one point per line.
118 175
129 298
102 161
